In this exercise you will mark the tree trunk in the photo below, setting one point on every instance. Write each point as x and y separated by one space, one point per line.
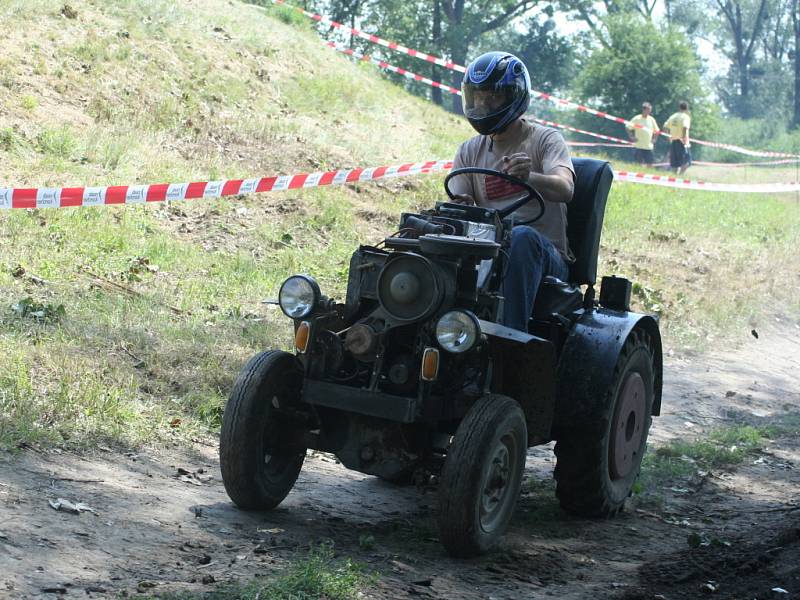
460 58
743 42
459 50
744 79
436 38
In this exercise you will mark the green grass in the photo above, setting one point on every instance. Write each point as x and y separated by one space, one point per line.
215 97
539 511
706 263
318 575
721 449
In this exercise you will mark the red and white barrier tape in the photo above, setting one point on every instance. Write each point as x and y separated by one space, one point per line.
690 184
739 165
740 150
539 94
598 144
375 39
142 194
399 70
416 77
583 131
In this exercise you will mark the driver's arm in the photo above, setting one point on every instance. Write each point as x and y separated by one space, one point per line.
461 185
556 186
556 182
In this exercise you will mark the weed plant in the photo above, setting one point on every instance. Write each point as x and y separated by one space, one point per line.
318 575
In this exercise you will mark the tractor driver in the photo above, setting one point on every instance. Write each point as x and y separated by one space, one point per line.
495 95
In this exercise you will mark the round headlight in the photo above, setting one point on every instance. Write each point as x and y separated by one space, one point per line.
409 287
457 331
298 296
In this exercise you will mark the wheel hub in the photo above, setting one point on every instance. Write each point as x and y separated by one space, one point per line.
495 485
628 427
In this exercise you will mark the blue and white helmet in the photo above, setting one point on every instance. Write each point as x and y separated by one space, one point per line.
495 91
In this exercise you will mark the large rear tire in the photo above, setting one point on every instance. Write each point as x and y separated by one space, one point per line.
481 476
258 467
598 461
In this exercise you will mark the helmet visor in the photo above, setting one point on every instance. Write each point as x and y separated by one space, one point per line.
481 101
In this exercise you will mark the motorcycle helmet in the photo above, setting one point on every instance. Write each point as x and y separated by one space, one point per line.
495 91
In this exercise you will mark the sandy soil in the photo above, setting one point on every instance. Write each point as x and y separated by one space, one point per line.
161 520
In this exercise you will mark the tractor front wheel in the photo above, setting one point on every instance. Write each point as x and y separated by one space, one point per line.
259 461
597 462
481 476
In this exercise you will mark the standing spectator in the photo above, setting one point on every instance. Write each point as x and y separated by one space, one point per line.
680 158
643 136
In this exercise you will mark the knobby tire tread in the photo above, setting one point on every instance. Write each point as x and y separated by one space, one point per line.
457 528
239 424
580 465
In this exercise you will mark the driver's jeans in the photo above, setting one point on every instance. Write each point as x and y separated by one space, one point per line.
532 258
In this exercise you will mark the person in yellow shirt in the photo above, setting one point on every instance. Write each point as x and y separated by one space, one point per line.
645 136
680 158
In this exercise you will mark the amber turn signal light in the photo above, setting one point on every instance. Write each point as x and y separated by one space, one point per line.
430 364
301 337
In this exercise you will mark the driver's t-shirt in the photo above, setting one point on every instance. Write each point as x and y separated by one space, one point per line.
547 150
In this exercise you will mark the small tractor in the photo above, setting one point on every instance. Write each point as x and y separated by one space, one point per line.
413 374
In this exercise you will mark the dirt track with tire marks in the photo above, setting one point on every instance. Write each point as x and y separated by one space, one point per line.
156 528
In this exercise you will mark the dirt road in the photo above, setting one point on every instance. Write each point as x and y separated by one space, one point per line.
161 520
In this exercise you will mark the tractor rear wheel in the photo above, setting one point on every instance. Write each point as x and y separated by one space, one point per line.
259 466
598 461
481 476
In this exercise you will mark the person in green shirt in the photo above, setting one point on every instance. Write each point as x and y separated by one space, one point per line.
643 137
680 158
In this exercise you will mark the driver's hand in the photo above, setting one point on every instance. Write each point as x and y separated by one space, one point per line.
463 199
517 165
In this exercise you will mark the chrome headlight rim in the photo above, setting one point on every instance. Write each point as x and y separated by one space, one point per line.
472 330
312 290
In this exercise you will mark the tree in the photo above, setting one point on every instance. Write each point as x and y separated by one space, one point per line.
744 30
594 14
753 36
643 63
796 27
550 57
467 21
448 28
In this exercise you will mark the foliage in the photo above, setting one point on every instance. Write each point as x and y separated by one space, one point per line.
644 63
38 311
756 38
769 133
596 16
551 58
447 28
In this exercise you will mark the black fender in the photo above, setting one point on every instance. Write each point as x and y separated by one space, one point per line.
525 368
587 361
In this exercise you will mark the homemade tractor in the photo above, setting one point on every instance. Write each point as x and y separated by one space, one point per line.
414 375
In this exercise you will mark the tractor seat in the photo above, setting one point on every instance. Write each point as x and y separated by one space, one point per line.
584 225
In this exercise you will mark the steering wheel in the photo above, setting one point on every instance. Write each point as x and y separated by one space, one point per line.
532 194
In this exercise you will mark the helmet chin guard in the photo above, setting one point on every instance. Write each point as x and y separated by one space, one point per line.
495 91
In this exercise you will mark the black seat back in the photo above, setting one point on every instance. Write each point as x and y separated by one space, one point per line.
585 217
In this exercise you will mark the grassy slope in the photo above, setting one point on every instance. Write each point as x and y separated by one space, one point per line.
149 91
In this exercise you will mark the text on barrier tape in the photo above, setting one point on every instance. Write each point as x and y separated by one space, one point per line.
141 194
